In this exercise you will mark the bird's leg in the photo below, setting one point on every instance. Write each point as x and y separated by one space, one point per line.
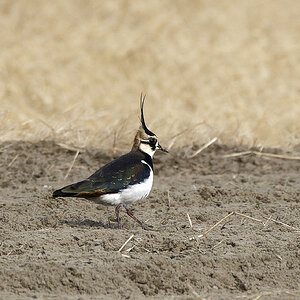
117 210
130 214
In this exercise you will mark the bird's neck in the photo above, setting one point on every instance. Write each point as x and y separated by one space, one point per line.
147 158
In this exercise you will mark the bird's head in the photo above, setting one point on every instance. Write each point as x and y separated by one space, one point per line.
145 140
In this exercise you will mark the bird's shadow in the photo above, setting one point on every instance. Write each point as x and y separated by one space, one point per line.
89 223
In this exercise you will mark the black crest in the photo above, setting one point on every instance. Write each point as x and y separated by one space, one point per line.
142 100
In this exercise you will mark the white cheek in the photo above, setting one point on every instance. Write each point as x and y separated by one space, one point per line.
147 149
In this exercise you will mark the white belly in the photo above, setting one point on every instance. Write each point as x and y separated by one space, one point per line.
131 194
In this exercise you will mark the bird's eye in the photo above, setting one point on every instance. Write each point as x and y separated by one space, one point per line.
152 141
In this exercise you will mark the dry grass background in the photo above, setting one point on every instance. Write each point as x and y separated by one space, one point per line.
73 71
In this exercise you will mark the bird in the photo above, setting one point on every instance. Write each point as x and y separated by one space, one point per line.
123 181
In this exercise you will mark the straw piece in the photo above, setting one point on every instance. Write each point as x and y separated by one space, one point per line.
264 294
190 221
70 147
276 155
129 249
237 154
125 255
204 147
13 160
128 240
72 164
261 154
5 147
284 224
214 226
248 217
215 246
265 223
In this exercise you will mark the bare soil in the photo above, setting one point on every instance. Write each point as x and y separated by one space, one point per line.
68 248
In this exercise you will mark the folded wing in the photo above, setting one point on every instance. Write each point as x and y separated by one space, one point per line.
112 178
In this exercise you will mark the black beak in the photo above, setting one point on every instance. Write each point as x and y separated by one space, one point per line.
159 147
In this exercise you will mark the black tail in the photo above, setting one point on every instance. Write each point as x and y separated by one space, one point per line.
75 189
59 193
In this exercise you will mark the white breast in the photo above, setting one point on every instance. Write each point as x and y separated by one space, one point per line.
132 194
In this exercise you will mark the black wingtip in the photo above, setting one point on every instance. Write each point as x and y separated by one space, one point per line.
60 193
57 193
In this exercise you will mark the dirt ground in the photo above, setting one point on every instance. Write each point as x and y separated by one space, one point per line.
69 248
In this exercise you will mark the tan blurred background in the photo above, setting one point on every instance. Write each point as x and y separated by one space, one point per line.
73 71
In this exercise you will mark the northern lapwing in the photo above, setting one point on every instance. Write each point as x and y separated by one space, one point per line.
124 180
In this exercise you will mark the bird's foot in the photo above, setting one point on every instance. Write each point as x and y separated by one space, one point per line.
130 214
